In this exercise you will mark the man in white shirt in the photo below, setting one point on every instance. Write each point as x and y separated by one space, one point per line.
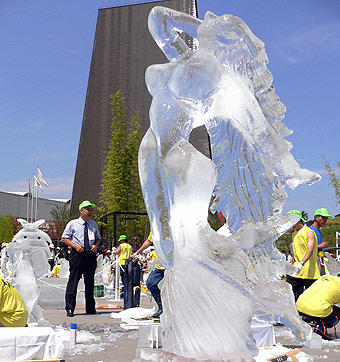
83 237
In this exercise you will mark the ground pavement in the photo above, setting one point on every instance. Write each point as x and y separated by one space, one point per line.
100 337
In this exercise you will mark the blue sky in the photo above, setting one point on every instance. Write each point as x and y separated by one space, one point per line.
45 57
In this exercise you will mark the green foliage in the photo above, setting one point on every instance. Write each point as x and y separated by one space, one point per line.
334 178
8 228
327 234
121 189
284 241
61 215
329 230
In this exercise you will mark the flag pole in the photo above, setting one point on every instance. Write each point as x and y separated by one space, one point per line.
28 200
32 204
37 184
36 205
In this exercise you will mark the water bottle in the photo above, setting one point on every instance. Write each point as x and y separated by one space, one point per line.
73 333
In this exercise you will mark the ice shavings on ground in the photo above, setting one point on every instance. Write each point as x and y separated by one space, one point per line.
335 343
332 345
87 341
284 332
113 337
82 348
317 358
266 353
83 338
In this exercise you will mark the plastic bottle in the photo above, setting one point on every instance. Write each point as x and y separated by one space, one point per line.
73 333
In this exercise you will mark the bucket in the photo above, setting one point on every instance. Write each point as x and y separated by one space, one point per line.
98 291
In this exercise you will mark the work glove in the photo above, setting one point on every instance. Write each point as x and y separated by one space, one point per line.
298 267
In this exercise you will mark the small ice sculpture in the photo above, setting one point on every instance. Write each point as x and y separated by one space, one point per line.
27 261
216 282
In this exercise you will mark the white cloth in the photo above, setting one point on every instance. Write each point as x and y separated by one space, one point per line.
263 333
29 343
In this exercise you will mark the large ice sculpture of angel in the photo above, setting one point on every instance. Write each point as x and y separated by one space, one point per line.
26 262
215 283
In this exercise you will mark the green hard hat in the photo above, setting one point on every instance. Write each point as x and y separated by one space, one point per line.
322 212
86 203
296 212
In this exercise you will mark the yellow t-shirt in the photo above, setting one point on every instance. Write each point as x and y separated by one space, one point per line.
311 269
154 256
13 312
125 252
319 298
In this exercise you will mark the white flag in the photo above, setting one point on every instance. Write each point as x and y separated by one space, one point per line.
37 183
41 177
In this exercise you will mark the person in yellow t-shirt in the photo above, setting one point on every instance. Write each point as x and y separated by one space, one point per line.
321 217
13 312
124 251
305 253
317 303
154 277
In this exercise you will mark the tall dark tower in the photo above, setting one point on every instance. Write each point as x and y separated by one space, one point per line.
123 49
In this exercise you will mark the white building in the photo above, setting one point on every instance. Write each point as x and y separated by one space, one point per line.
15 204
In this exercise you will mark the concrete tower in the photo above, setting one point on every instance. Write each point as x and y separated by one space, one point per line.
123 49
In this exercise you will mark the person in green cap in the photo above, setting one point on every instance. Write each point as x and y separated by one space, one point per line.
320 219
83 237
124 251
154 277
305 254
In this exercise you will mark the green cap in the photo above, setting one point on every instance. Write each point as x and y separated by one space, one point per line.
296 212
86 203
122 237
322 212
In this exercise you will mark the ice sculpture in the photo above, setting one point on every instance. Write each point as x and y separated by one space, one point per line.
215 283
27 261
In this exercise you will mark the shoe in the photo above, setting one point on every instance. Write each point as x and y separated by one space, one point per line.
157 314
69 313
321 330
94 312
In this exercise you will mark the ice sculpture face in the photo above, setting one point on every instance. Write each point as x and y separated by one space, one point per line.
216 281
27 261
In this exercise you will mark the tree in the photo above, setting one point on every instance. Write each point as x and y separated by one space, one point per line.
61 215
334 178
121 189
8 228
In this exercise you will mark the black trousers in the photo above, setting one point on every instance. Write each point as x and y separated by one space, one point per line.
299 285
335 313
81 264
51 262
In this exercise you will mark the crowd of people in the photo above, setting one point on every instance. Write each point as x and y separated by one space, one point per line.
316 292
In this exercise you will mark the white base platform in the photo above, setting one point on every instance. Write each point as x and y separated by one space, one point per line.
263 333
29 343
